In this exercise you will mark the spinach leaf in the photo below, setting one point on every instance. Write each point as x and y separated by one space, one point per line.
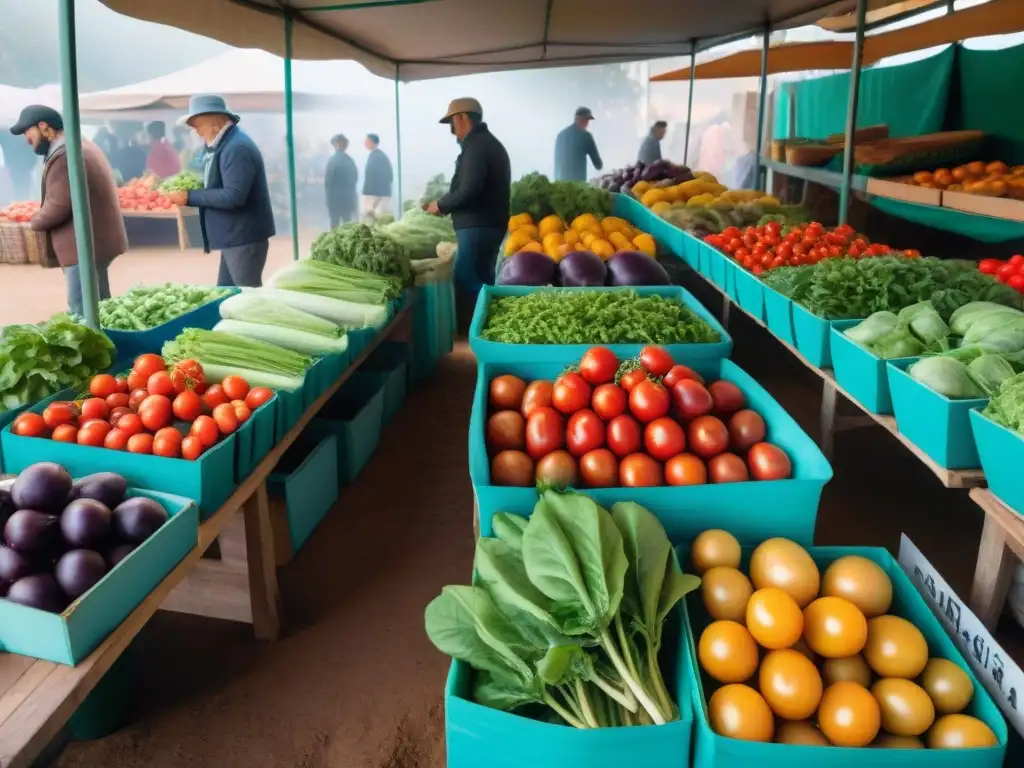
509 528
647 549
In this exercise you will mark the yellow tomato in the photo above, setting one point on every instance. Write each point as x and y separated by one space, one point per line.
774 619
740 712
861 581
726 592
834 627
800 733
888 741
948 685
851 669
960 732
785 564
727 652
895 648
905 706
849 715
713 548
790 684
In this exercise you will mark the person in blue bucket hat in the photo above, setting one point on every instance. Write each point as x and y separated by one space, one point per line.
234 206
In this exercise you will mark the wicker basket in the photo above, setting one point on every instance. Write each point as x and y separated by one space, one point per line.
917 149
811 154
861 135
19 244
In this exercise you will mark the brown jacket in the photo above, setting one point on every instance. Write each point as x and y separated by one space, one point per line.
54 218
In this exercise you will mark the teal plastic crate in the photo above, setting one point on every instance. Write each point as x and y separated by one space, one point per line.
1001 453
491 351
389 366
209 480
255 438
109 706
813 337
778 311
333 366
290 407
939 426
135 343
69 637
859 372
723 274
478 736
714 751
715 266
433 327
354 415
690 249
307 479
749 292
753 511
705 258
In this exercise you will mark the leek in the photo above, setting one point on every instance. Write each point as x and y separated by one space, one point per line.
258 309
307 343
254 378
214 348
346 314
335 282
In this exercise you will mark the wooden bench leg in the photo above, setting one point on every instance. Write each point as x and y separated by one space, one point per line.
992 575
182 231
829 402
264 594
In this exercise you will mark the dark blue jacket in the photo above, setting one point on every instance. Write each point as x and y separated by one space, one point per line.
379 175
234 208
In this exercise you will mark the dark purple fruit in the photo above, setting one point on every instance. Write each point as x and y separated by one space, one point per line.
29 530
40 591
79 570
86 523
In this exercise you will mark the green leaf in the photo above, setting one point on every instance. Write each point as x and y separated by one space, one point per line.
496 693
509 528
501 570
647 549
675 587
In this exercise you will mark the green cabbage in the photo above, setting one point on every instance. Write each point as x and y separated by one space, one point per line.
947 376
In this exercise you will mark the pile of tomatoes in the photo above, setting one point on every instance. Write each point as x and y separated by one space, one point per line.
19 213
647 422
1010 271
140 195
760 249
817 659
171 412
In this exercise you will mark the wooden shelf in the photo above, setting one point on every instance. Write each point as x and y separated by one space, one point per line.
816 175
1002 547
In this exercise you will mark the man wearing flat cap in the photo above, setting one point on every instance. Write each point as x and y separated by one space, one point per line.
43 128
478 199
573 146
234 207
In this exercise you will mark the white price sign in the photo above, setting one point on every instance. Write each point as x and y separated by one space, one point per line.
999 674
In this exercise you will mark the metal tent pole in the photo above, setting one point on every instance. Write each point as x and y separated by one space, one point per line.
763 92
76 165
289 116
851 114
689 103
398 142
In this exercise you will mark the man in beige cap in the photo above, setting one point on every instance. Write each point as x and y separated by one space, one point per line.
478 200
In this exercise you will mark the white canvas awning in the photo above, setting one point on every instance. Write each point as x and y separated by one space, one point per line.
422 39
13 100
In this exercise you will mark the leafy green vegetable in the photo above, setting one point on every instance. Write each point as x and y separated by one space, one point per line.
147 306
37 361
336 282
182 182
945 375
215 349
365 248
538 196
419 233
1007 406
874 328
594 317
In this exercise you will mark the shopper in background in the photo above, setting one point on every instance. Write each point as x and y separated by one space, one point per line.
650 150
376 181
43 128
162 158
234 207
478 199
340 179
129 157
573 146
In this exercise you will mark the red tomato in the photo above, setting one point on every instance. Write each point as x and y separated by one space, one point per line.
117 413
537 395
545 432
664 438
140 443
911 253
746 428
226 418
205 428
167 443
505 431
1016 282
989 266
186 374
584 433
66 433
629 380
570 393
648 401
623 435
94 408
598 365
707 436
726 396
242 411
258 396
93 433
148 364
678 373
136 397
639 470
29 425
122 385
103 386
727 468
769 462
117 400
557 469
130 424
235 387
187 405
609 401
155 412
1017 260
691 399
685 469
191 448
59 413
116 440
1005 272
656 360
214 396
160 384
599 469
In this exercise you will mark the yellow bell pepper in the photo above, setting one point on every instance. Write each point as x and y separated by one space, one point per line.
646 244
551 224
602 248
515 222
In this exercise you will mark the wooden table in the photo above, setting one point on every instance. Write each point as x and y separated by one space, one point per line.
1002 547
178 214
37 698
832 422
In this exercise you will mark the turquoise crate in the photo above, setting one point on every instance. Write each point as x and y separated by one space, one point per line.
1001 452
209 480
255 438
749 292
307 479
715 266
861 374
332 367
389 366
354 415
492 351
433 327
290 407
690 248
706 256
134 343
69 637
752 510
109 706
938 425
478 736
813 337
714 751
778 310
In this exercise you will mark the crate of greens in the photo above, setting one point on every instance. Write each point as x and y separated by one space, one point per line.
999 436
146 316
518 324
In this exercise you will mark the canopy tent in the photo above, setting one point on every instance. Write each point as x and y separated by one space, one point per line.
879 14
251 81
421 39
992 18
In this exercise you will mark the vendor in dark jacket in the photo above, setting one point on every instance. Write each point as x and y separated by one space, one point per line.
234 207
478 200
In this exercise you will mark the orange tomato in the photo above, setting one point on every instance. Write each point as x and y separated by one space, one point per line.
29 425
65 433
187 405
94 408
160 384
140 443
727 652
242 411
148 364
685 469
895 648
852 669
167 443
714 548
800 733
785 564
258 396
116 440
861 581
227 420
725 592
947 684
235 387
191 448
774 618
137 381
790 684
103 386
739 712
849 715
834 628
206 429
960 732
906 708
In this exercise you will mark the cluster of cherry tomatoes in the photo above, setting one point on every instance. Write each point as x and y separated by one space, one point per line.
171 412
19 213
760 249
1010 271
646 422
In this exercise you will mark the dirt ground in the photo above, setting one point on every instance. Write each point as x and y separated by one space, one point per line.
354 683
